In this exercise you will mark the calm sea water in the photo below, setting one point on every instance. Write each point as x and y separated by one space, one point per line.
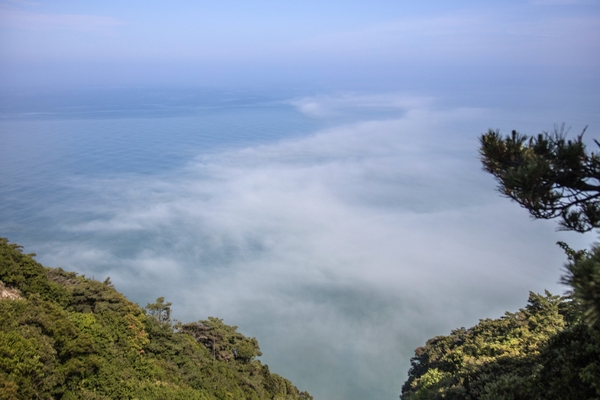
48 141
320 251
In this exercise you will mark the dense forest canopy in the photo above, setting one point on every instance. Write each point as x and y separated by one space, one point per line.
542 351
63 336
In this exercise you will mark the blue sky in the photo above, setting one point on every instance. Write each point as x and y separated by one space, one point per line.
341 249
340 44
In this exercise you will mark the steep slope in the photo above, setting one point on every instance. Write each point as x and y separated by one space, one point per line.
543 351
63 336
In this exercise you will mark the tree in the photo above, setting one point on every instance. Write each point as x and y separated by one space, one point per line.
63 336
543 351
550 176
535 353
223 341
160 310
554 177
583 275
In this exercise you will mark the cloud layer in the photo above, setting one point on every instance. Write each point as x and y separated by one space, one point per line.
342 251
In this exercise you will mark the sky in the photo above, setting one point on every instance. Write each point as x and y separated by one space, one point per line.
344 249
342 45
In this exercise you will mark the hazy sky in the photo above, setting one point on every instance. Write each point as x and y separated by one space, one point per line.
344 44
345 249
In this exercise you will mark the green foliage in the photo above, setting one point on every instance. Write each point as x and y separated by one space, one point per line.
20 271
160 310
223 341
550 176
553 177
544 351
63 336
583 275
539 352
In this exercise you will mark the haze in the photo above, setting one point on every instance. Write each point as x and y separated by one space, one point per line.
341 249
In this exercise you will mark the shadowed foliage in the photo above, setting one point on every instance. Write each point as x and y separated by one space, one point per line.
549 175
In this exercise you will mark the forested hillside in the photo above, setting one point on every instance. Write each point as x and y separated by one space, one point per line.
63 336
542 351
551 348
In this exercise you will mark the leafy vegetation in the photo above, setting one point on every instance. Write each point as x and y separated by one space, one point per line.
63 336
551 348
549 175
543 351
553 177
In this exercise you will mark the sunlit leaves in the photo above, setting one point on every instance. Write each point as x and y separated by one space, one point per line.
65 336
532 353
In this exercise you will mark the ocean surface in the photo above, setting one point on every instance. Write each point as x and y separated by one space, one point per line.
52 142
340 229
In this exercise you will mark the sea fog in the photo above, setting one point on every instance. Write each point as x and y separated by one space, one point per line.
341 228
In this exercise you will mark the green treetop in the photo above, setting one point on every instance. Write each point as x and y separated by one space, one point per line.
554 177
550 176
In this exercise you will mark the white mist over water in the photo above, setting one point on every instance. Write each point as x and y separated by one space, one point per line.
305 170
342 246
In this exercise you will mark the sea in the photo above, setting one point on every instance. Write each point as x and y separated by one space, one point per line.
342 229
50 140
